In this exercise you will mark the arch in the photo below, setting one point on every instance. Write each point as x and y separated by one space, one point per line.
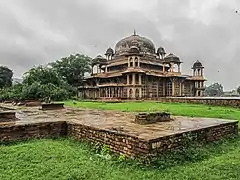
131 62
199 93
136 61
130 93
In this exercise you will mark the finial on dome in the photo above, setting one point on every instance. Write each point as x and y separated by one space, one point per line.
134 32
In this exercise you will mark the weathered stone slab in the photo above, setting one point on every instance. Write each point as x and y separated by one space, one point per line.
148 118
6 116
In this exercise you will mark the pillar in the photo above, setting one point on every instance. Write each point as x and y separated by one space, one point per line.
133 92
138 62
163 67
183 89
133 79
164 87
173 88
140 92
127 79
140 79
105 69
180 89
133 58
178 67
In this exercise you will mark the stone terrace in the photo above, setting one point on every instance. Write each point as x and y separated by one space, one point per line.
113 128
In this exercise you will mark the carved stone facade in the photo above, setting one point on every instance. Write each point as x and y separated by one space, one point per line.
137 71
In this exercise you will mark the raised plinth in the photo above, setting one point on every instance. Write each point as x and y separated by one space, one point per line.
7 116
52 106
148 118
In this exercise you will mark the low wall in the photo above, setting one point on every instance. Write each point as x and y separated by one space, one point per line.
118 142
218 101
208 134
12 132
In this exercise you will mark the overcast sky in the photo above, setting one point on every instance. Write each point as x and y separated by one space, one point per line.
34 32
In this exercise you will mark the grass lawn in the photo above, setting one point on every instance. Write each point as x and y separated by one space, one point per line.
179 109
68 159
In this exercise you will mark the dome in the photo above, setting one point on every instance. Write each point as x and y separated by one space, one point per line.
99 60
172 58
133 49
161 50
145 45
109 51
197 64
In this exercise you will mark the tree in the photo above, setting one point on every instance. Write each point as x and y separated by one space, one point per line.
42 75
73 68
238 90
214 89
6 75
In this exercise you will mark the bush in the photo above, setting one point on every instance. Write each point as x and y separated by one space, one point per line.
36 91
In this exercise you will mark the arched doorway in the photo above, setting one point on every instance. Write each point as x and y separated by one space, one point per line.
130 93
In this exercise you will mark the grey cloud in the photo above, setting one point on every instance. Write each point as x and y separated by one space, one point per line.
37 32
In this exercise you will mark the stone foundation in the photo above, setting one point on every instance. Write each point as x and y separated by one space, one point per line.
7 116
121 143
52 106
148 118
12 132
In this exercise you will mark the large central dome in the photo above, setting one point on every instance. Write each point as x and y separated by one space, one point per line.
145 45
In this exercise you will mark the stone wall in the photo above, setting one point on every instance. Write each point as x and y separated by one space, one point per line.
218 101
208 134
12 132
117 141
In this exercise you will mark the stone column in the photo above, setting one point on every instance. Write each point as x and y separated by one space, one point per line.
133 92
180 89
127 79
127 92
105 69
138 62
140 79
140 92
133 79
178 67
173 88
164 87
163 67
133 58
183 89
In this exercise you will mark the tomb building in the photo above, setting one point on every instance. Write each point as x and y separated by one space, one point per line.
137 70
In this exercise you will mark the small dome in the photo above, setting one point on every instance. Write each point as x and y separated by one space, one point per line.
109 51
172 58
161 50
197 64
133 49
99 60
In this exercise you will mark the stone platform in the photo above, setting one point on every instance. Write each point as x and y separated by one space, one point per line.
115 129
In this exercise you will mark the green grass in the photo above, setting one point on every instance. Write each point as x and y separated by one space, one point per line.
68 159
180 109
